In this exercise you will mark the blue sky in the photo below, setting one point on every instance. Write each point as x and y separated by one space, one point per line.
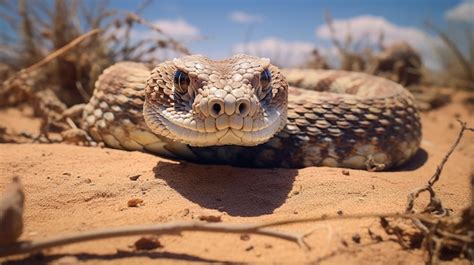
294 27
286 31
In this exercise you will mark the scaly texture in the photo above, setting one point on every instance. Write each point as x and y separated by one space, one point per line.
240 111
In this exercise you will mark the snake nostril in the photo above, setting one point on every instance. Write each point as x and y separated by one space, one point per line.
216 108
243 108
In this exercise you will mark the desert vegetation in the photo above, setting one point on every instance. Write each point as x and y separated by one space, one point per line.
52 54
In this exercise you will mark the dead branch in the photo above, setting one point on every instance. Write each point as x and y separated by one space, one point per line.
178 227
160 229
440 167
61 51
13 248
443 233
435 205
176 45
45 103
11 212
27 30
329 22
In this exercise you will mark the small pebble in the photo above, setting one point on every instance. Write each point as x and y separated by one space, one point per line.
185 212
135 202
356 238
147 243
245 237
249 248
340 212
344 242
345 172
135 177
210 218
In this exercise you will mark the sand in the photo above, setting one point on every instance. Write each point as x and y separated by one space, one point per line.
70 189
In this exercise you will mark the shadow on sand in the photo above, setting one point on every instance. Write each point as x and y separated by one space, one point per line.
240 191
417 161
237 191
74 258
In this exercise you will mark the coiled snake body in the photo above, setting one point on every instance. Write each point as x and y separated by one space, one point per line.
240 111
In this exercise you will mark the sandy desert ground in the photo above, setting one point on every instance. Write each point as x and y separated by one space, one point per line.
70 189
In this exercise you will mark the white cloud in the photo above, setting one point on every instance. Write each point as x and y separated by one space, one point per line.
244 17
367 29
281 52
464 12
177 28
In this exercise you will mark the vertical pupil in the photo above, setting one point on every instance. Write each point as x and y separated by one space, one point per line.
265 78
181 81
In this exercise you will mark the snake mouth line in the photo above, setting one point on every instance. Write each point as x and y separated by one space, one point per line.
193 132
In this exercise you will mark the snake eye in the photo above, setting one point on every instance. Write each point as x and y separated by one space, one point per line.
265 78
181 82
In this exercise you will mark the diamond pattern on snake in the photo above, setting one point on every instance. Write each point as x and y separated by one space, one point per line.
241 111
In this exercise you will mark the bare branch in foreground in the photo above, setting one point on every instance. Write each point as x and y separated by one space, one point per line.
435 205
160 229
178 227
450 233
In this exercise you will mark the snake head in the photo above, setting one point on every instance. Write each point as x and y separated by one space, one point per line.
238 101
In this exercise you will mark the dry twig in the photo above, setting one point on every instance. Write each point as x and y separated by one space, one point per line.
435 205
61 51
45 102
178 227
160 229
444 232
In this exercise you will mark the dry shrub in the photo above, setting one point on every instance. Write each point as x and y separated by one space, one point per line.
352 57
456 56
36 28
398 61
316 61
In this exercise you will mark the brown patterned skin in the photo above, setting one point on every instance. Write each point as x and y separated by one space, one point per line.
240 101
350 120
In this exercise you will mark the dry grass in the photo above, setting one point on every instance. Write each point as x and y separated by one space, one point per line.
37 28
397 61
456 56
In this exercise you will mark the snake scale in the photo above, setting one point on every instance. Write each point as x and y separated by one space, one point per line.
241 111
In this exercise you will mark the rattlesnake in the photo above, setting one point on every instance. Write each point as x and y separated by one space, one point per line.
241 111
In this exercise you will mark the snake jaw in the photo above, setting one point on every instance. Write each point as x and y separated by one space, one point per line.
224 105
193 131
